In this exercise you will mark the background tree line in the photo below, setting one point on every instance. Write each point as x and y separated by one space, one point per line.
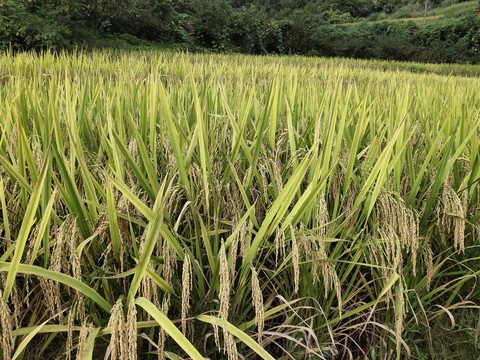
252 26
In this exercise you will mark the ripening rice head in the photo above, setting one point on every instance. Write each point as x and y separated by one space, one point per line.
224 291
131 331
451 213
186 288
85 332
295 259
7 340
257 298
118 342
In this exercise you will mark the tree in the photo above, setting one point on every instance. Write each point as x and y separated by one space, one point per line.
425 12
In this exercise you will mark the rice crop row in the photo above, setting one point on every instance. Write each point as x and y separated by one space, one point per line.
168 205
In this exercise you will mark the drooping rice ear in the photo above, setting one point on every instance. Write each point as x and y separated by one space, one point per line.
224 293
230 346
7 340
451 212
162 336
257 298
233 256
85 332
118 342
399 312
295 260
428 260
243 239
131 331
70 323
186 288
170 262
224 296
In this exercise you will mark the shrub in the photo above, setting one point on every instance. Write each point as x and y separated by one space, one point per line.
22 29
212 22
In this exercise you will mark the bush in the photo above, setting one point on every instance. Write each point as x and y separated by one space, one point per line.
247 33
451 42
146 19
212 22
22 29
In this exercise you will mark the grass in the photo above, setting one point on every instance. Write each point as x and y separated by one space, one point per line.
434 19
170 205
457 10
415 14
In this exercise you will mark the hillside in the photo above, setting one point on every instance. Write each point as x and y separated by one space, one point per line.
416 14
381 29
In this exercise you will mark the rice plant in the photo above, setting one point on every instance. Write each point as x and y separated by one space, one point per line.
172 206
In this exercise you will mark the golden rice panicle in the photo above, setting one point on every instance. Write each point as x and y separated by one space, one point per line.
230 345
53 296
58 248
170 160
392 245
162 336
17 305
28 257
216 336
263 170
295 260
314 246
428 260
243 239
170 262
224 293
224 297
146 288
451 212
257 298
66 243
118 342
322 218
186 288
233 256
72 247
237 198
280 244
398 226
161 344
415 238
338 289
125 207
329 275
7 340
66 232
133 149
70 323
85 331
277 168
79 310
461 215
131 331
399 311
324 266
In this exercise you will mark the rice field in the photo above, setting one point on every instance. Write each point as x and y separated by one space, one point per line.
161 205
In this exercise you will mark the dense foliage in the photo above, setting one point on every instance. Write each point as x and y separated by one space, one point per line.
306 208
256 27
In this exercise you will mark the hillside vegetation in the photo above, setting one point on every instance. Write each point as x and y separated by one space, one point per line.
162 205
383 29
